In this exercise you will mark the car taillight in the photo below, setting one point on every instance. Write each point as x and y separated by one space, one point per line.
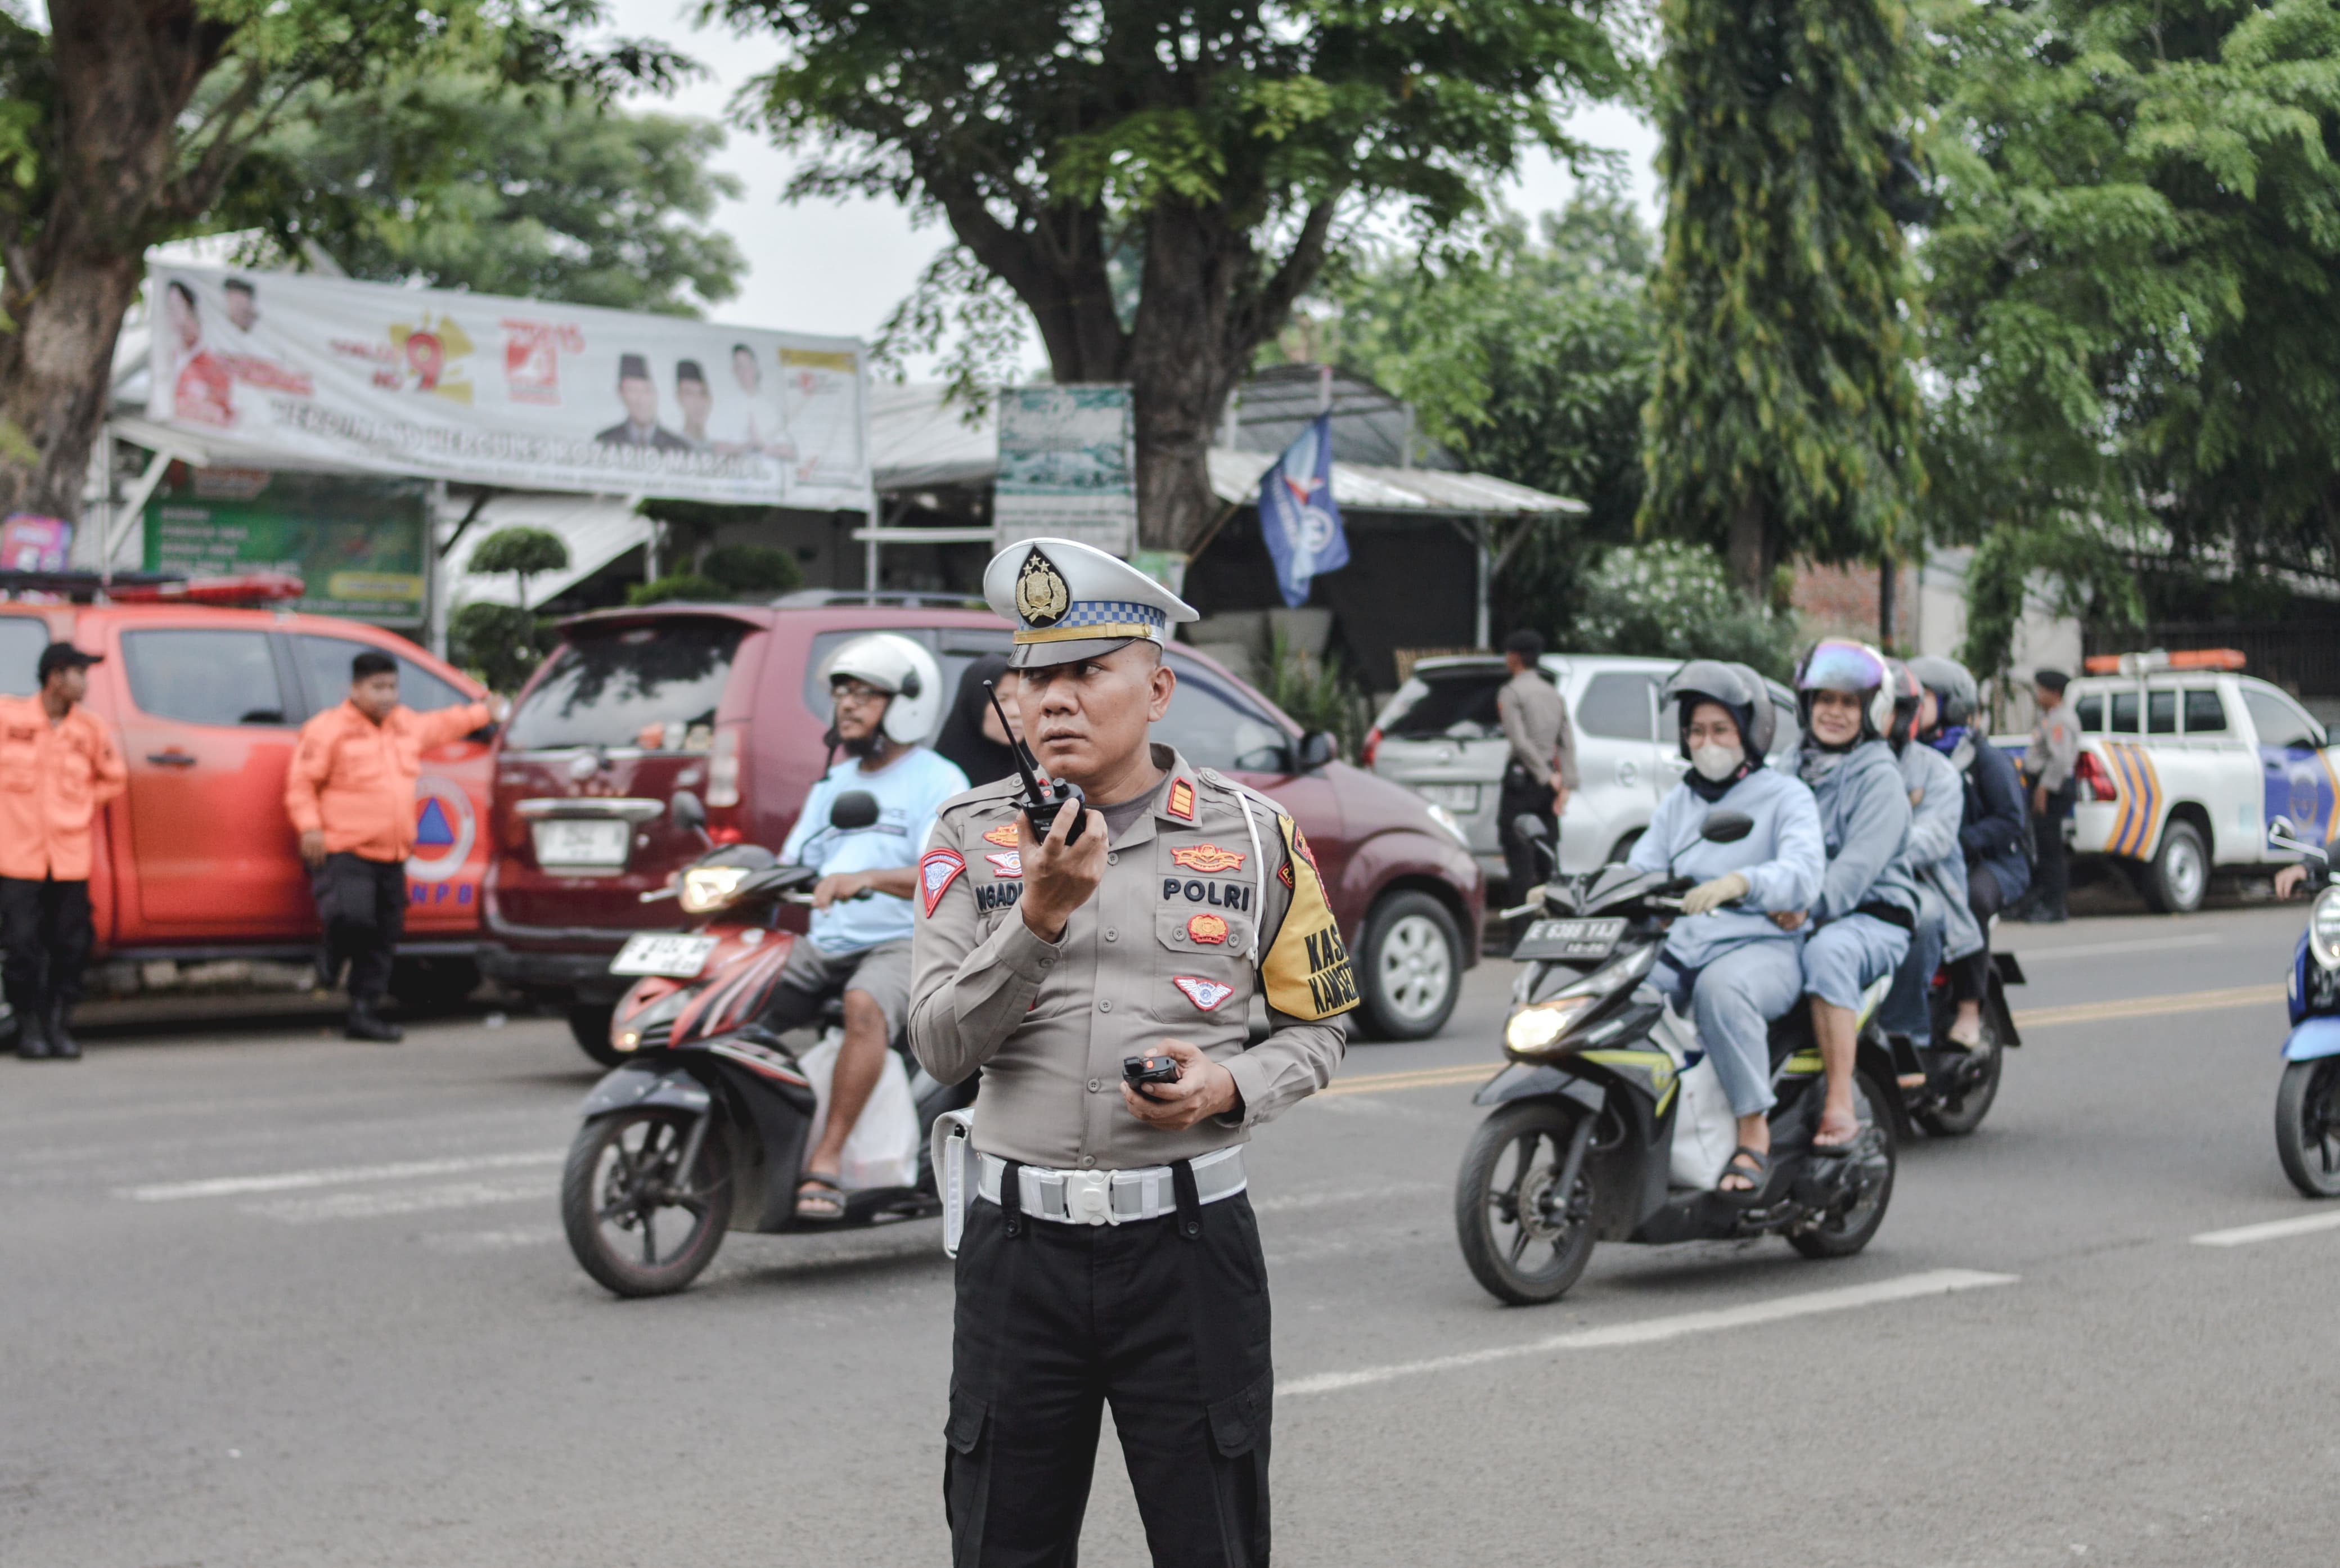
726 836
723 769
2096 779
1373 745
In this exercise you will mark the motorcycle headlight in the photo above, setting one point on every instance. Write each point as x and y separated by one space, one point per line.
1534 1030
1446 820
705 888
2324 929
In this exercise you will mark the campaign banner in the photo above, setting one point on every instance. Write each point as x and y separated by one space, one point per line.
291 369
1067 467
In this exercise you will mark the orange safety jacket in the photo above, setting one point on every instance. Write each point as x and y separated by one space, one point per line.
53 780
354 779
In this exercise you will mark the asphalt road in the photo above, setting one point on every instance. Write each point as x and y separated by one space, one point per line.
270 1298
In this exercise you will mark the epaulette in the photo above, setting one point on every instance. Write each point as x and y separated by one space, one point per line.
998 791
1217 779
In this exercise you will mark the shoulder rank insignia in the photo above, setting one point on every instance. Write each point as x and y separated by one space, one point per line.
1207 858
1181 803
1004 836
1205 994
938 870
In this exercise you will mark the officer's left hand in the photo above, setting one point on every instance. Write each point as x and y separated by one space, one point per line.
1204 1089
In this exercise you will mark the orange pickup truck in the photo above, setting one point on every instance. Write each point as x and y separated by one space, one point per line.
195 860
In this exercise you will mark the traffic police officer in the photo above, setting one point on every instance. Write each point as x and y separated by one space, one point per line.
1111 1254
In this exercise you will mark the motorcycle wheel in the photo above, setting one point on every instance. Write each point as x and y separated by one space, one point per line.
1517 1247
1848 1231
2307 1125
1955 1118
621 1179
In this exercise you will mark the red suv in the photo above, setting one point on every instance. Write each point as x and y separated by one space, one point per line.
724 700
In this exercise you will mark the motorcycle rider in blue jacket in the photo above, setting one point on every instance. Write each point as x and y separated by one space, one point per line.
1727 962
1945 926
1994 832
1867 904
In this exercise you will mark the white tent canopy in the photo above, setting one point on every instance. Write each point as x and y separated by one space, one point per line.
597 529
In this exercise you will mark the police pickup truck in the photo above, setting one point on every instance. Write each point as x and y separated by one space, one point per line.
2184 760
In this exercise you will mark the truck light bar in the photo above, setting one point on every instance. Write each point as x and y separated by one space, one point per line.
2162 658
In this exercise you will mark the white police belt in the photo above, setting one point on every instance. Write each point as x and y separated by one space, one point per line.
1112 1198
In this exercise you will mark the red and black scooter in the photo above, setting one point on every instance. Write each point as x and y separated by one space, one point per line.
704 1128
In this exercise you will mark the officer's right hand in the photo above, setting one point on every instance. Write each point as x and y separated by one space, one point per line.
1058 877
313 847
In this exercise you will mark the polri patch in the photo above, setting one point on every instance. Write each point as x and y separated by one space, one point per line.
1181 803
1007 863
938 870
1207 858
1205 994
1004 836
1209 929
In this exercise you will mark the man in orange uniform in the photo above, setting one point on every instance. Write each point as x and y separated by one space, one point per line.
350 794
57 767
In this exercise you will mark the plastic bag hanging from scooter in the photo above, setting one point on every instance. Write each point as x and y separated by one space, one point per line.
882 1149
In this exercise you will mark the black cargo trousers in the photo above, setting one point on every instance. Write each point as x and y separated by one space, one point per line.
361 917
1165 1319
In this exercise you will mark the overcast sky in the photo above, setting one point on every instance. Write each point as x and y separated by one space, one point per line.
839 267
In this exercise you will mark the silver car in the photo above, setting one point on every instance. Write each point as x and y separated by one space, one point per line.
1440 737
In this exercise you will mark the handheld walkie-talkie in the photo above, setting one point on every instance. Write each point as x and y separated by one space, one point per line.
1040 805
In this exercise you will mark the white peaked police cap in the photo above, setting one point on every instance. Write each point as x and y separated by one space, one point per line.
1073 601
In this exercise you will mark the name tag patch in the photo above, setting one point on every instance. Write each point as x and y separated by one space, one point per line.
1009 864
990 896
1225 894
938 870
1207 858
1205 994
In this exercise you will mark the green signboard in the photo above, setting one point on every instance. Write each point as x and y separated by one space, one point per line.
356 543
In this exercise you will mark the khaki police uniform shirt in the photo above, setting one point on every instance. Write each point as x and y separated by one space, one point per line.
1534 717
2055 749
1162 950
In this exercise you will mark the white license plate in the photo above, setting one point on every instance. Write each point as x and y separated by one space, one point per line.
1570 939
665 953
564 841
1459 798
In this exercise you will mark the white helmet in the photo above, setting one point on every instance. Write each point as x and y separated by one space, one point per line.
901 668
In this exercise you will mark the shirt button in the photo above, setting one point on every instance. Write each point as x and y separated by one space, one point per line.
1096 1085
1106 1005
1087 1161
1111 935
1048 963
1111 860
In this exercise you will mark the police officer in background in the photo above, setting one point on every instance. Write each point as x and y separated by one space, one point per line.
1111 1255
1540 769
58 767
2048 765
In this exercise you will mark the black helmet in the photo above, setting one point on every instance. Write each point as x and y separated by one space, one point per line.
1953 688
1735 688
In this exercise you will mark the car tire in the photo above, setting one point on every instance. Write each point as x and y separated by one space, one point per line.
1409 967
2180 876
437 984
589 1025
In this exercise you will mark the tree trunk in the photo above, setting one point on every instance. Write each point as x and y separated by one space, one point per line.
55 372
1749 548
1183 364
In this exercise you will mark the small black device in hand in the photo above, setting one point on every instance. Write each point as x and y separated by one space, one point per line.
1140 1071
1040 805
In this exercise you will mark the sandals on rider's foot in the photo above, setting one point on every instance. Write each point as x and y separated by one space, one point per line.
819 1198
1759 1178
1834 1151
1974 1047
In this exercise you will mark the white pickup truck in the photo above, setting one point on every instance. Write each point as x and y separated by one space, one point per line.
2184 761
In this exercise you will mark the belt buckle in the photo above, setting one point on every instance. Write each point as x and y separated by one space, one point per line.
1089 1197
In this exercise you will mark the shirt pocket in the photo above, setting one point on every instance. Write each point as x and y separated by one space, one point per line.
1203 984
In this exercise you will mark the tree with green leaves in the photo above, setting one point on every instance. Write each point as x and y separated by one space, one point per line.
122 125
1203 158
1784 419
458 180
2130 297
525 552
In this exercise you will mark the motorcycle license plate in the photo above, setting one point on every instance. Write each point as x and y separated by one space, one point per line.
562 842
1570 939
667 953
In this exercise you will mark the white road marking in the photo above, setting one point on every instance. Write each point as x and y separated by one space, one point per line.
2107 950
296 1181
400 1201
1650 1331
461 1241
2270 1230
1284 1201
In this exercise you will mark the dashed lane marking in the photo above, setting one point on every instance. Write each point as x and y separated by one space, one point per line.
340 1205
1651 1331
336 1176
2270 1230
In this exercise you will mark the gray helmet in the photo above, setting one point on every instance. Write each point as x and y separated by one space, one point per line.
1953 688
1735 687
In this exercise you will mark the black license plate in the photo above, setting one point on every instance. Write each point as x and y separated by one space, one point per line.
1570 939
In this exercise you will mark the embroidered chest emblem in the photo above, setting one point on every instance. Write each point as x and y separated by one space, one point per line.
1205 994
1181 803
938 870
1207 858
1004 836
1209 929
1009 863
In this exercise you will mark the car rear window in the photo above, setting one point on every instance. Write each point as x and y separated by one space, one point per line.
954 648
1459 706
324 664
2161 713
1212 726
645 688
2090 712
1616 704
22 638
2125 706
2205 714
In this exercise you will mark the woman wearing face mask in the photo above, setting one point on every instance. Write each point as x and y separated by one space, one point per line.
1727 963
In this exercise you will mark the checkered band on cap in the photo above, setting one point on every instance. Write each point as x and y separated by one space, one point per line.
1101 618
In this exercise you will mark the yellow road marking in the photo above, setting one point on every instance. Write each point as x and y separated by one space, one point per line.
2031 1018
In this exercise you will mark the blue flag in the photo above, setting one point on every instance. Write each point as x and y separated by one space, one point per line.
1297 515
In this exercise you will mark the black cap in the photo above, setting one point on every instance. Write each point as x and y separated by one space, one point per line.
59 656
688 371
2050 681
633 367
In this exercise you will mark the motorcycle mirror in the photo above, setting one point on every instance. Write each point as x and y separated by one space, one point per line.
2282 827
854 809
1726 827
687 811
1528 827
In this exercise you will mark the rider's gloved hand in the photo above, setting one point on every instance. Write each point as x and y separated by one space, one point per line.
1713 895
